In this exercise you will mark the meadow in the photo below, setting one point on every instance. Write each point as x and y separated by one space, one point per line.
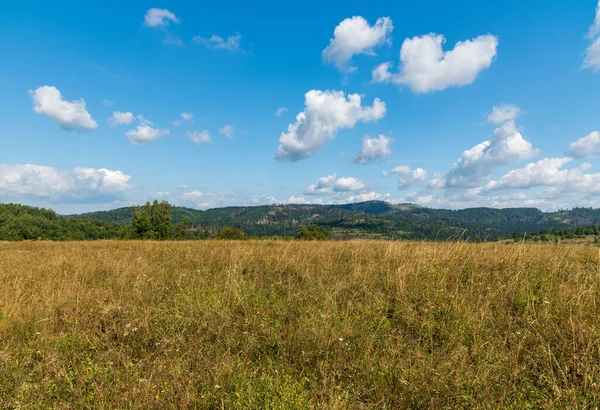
298 325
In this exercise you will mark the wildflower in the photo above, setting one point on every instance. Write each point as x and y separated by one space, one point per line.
341 339
217 386
546 302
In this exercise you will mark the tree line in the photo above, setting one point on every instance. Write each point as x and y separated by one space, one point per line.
152 221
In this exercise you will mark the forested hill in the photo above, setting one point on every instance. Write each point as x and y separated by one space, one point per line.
375 219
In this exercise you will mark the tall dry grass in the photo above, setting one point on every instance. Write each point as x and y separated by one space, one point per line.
271 325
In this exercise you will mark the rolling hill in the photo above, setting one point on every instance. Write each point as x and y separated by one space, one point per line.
374 219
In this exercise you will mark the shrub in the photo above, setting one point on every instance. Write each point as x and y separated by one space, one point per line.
312 233
230 234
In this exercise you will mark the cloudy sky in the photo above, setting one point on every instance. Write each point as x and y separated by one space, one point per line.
208 104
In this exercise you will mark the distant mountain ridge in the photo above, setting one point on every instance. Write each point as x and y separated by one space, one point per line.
371 219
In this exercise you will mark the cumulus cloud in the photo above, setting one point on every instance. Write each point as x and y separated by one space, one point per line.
408 176
330 184
156 18
504 146
374 149
185 116
77 185
543 172
592 56
280 111
323 186
586 146
437 181
366 196
227 131
592 53
231 43
550 172
348 184
71 115
145 133
325 114
199 137
354 36
426 67
120 118
503 113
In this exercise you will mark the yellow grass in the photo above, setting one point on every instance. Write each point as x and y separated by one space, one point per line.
280 325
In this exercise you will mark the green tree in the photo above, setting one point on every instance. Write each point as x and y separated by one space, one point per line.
182 228
152 221
312 232
230 234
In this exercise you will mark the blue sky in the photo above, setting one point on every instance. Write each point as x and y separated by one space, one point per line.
501 111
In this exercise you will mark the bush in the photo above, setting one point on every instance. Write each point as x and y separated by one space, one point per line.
312 233
230 234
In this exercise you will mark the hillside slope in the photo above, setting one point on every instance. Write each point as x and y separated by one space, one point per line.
372 219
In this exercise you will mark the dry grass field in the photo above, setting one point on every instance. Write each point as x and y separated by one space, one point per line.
295 325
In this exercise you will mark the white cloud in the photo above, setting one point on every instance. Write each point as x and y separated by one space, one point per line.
595 27
293 200
185 116
330 184
107 103
543 172
586 146
373 149
227 131
323 186
354 36
199 137
120 118
426 67
505 145
77 185
592 53
145 133
592 56
159 18
280 111
349 184
232 43
325 114
503 113
366 196
438 181
71 115
408 176
549 172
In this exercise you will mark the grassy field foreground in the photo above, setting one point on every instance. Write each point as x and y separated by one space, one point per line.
258 324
